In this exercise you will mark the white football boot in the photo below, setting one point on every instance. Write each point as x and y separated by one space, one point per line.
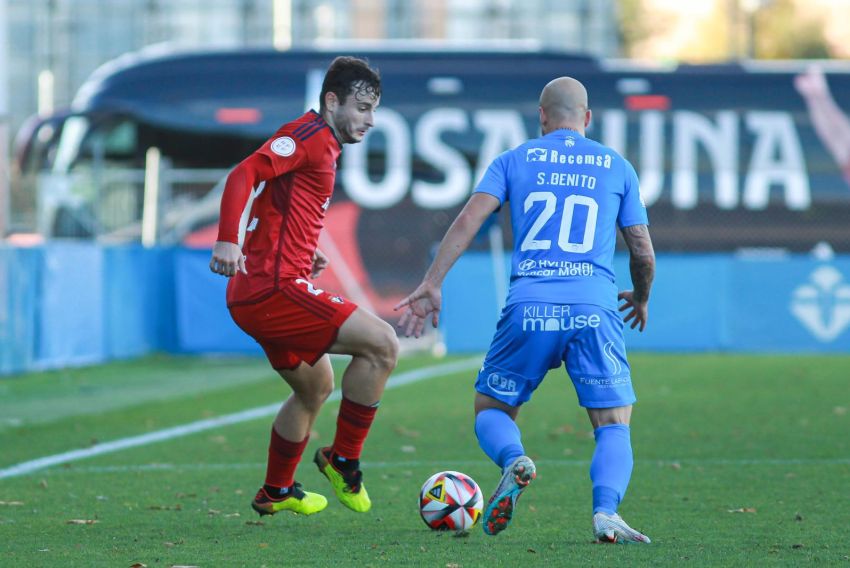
613 529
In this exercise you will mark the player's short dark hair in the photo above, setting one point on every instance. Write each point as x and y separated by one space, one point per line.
346 74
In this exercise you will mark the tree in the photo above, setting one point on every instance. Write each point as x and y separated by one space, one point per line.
637 24
784 29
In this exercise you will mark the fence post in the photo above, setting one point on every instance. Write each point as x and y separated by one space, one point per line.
150 204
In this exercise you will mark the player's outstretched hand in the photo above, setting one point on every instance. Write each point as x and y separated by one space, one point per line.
320 262
424 301
227 258
639 311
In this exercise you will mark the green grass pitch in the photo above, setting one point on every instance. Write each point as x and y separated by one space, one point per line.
739 461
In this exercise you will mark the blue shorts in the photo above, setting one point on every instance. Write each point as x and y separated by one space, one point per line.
534 337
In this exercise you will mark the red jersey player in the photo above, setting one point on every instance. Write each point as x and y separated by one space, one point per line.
271 298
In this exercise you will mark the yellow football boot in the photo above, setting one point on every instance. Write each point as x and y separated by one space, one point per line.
297 501
348 487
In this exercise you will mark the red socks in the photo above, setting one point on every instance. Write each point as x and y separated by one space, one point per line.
283 459
352 427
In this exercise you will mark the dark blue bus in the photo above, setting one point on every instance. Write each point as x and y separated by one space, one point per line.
727 154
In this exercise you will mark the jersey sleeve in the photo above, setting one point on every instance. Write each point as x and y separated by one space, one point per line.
495 180
277 156
632 208
285 152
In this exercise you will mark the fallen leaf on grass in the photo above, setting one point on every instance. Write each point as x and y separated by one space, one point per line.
402 431
177 507
743 510
797 546
408 449
255 523
531 550
12 503
263 545
231 515
676 466
212 512
138 565
561 430
840 410
82 522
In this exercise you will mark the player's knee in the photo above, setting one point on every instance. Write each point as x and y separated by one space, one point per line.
324 390
313 393
385 349
316 397
609 416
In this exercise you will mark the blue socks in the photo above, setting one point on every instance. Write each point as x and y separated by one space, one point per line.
610 470
499 436
611 467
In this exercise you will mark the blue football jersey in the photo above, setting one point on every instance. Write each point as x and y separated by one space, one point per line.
567 196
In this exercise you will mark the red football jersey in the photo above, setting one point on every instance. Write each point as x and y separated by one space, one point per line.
293 177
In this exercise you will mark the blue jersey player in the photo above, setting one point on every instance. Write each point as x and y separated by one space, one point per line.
567 195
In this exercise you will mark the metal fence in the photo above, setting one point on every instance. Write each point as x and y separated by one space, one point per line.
109 204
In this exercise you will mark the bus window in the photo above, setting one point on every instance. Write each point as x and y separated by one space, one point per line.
113 142
120 141
69 143
35 151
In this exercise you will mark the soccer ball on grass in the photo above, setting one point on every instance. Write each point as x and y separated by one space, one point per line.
450 500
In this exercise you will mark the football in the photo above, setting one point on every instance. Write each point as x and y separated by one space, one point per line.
450 500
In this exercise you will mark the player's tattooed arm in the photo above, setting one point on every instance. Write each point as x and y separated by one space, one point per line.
641 260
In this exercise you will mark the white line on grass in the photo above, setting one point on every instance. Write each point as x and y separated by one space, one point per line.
226 420
154 467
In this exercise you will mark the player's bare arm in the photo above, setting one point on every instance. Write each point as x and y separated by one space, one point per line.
427 298
642 268
831 123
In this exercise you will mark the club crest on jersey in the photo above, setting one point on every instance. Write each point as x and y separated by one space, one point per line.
536 155
283 146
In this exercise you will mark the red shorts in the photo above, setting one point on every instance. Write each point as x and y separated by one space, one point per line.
297 323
